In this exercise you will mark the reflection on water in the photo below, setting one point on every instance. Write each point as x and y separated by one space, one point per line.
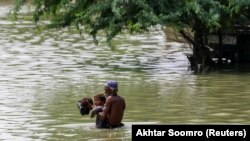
43 75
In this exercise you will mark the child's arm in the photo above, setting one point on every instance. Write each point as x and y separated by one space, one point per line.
96 110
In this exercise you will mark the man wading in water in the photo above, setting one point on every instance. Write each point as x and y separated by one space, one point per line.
114 107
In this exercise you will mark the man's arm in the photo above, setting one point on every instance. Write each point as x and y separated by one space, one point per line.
104 114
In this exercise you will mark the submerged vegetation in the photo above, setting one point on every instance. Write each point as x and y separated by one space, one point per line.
201 17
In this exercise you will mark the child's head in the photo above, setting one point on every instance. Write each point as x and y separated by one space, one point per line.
99 99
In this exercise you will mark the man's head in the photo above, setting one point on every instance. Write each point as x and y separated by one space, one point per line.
111 87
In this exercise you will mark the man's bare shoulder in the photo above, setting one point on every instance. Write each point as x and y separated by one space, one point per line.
109 99
121 97
114 98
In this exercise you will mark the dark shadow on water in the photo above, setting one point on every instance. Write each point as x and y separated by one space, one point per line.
229 68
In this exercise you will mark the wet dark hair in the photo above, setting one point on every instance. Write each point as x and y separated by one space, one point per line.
101 97
83 105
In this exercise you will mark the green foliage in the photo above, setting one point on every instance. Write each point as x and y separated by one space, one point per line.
17 7
115 16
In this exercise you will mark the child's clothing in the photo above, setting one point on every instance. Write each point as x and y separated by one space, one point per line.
99 123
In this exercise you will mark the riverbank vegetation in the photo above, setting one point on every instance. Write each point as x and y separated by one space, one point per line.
194 20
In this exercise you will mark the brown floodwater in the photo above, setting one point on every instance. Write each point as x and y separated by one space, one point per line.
43 74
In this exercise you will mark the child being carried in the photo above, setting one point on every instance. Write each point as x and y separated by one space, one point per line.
99 101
